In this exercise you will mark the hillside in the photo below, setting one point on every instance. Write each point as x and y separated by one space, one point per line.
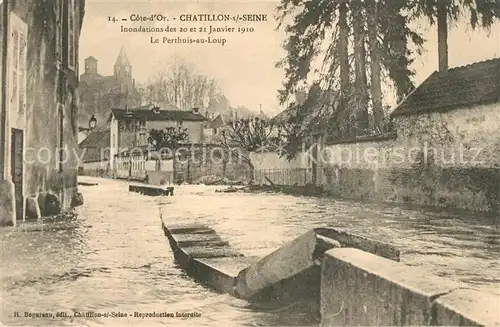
219 104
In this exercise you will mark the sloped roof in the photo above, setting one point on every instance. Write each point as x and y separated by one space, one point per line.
217 122
282 117
122 59
163 106
478 83
148 115
96 139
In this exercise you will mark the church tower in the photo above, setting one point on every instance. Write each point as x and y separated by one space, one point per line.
122 66
91 66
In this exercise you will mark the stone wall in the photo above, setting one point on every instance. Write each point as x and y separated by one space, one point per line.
49 86
444 159
271 166
206 160
45 86
448 159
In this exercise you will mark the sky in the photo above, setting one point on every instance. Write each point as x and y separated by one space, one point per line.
245 64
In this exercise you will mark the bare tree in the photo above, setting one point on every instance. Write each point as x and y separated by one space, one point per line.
178 84
244 136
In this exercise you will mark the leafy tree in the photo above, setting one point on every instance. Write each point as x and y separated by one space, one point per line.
168 138
482 13
379 26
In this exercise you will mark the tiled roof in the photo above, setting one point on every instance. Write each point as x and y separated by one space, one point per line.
478 83
96 139
95 142
148 115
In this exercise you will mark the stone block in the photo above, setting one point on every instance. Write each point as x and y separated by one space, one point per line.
151 190
293 259
204 256
190 240
349 240
32 209
159 177
467 307
362 289
7 203
179 229
77 200
87 184
220 273
211 251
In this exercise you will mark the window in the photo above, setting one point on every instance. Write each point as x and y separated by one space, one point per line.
142 138
17 63
59 31
72 31
60 136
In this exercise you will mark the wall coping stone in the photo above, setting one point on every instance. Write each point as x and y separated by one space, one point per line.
368 138
382 291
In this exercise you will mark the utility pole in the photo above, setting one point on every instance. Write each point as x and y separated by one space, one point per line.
3 109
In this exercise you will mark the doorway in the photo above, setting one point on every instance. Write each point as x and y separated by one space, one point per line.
16 168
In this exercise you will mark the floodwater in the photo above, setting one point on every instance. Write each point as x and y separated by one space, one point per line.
114 258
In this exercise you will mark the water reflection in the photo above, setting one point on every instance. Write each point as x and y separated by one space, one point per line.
115 258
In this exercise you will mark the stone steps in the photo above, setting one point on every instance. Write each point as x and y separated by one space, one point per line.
345 279
205 256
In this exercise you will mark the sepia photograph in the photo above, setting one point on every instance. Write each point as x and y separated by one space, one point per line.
250 163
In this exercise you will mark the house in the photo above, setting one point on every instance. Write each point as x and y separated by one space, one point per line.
213 128
99 93
130 128
39 106
459 88
94 149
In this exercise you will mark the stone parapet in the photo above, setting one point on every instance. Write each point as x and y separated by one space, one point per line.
362 289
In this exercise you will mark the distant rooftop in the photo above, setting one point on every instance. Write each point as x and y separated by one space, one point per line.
149 115
474 84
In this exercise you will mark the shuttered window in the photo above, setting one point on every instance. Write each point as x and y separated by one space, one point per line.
72 33
17 65
59 30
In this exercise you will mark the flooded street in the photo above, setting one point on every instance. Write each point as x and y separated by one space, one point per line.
115 257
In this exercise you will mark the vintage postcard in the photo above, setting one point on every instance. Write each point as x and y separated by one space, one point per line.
249 163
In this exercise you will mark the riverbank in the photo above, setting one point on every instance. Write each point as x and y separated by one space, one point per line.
317 191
